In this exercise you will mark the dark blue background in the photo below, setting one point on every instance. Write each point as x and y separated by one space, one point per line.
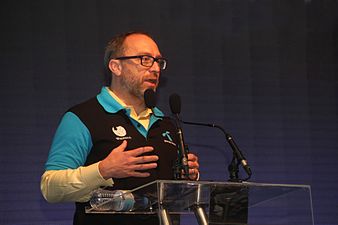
266 70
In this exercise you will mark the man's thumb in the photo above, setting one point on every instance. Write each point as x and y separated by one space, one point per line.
122 146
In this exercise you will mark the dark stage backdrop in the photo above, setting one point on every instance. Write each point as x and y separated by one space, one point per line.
265 70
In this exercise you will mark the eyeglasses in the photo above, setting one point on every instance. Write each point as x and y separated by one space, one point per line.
147 60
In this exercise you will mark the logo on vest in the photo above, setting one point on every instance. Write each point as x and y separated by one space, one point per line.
168 139
120 132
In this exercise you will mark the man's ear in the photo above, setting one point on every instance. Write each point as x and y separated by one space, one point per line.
115 66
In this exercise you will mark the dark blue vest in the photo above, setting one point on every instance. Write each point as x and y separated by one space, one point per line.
101 125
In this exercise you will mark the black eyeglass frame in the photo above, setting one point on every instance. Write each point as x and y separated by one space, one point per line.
162 62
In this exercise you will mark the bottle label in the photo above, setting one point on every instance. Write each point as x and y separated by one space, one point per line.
127 202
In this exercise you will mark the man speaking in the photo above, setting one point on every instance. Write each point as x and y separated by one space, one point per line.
113 139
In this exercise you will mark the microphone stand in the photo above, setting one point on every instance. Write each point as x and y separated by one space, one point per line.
182 159
233 169
182 164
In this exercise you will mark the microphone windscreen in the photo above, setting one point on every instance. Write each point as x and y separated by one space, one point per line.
150 98
175 103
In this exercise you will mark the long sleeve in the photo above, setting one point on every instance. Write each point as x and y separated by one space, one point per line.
72 184
66 178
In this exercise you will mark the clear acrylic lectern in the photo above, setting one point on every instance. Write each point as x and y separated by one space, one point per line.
225 203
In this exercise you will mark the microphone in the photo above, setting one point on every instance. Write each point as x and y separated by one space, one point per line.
236 151
150 98
150 101
175 106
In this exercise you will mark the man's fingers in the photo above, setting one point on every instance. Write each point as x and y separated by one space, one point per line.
145 159
193 161
192 157
136 169
140 151
144 166
139 174
193 171
140 167
192 164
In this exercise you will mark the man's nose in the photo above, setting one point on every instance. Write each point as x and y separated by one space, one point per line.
156 67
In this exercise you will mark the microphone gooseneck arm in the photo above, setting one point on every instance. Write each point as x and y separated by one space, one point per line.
236 151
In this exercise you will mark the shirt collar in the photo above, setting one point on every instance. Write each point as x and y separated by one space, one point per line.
108 102
114 104
130 109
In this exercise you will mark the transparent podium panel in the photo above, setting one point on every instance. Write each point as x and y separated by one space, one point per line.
214 203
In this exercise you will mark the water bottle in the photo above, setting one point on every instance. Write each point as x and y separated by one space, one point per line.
117 200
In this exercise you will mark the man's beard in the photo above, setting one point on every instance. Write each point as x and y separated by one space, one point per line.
134 87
